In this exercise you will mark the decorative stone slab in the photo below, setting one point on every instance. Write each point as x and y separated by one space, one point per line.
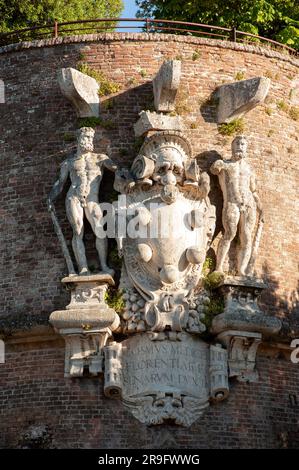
103 278
245 281
166 84
157 122
87 291
81 90
236 99
165 380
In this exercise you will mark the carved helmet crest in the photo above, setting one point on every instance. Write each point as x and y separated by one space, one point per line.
166 139
144 164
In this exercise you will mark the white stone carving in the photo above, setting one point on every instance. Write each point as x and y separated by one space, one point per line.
236 99
240 205
241 308
164 264
150 121
86 324
166 84
242 348
85 170
218 373
165 380
81 90
241 325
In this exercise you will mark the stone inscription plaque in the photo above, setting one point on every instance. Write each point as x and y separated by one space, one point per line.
160 380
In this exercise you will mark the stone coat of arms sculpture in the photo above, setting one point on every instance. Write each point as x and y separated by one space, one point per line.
162 369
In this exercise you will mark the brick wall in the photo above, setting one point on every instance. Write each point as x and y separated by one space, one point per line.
36 121
75 414
35 124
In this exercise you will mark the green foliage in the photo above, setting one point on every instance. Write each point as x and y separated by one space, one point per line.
269 111
69 137
289 36
208 266
282 105
182 105
137 144
16 14
114 299
212 280
215 307
114 260
107 104
274 19
89 122
292 111
240 75
95 121
195 55
107 87
234 127
143 73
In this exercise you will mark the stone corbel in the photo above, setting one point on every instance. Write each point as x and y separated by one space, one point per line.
236 99
242 348
81 90
166 84
241 325
151 121
86 324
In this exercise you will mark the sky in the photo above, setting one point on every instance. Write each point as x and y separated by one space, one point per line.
130 9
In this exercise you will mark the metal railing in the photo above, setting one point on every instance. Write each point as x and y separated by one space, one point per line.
149 25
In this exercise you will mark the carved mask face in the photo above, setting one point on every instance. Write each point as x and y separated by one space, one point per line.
169 169
85 142
239 148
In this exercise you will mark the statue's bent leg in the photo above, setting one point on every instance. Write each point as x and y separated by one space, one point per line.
230 219
94 215
75 214
247 224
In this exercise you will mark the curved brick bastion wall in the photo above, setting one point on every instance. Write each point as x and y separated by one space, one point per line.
36 128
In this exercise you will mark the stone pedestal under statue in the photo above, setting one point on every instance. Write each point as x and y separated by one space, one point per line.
86 323
241 325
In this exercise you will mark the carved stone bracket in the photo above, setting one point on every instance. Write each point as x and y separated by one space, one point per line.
86 324
81 90
242 348
236 99
166 84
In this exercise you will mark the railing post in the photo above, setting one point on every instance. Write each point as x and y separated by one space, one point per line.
233 34
55 32
147 25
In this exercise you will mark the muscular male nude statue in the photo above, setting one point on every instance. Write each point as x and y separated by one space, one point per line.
240 201
85 170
